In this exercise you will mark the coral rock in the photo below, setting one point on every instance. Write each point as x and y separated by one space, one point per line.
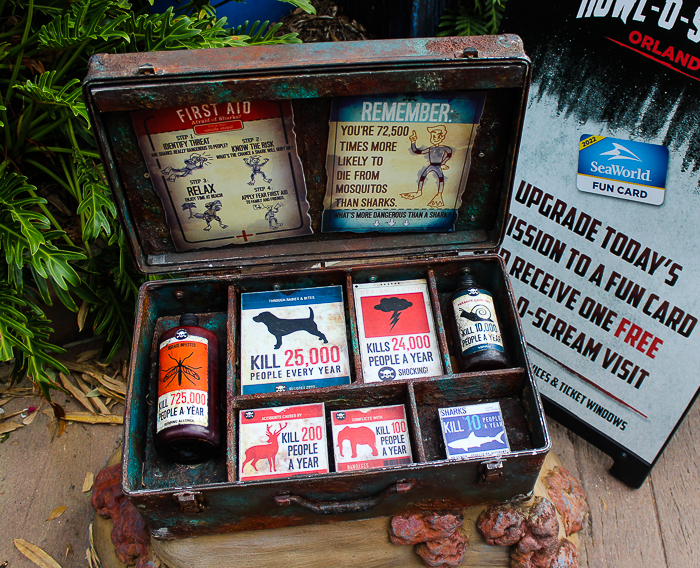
501 525
437 538
541 528
421 528
567 555
568 497
129 533
447 552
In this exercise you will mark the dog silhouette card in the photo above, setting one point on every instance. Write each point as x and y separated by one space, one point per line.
473 431
282 441
396 330
364 438
293 339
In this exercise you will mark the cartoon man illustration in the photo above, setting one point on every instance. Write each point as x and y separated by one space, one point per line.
437 156
255 163
194 162
210 213
270 214
270 217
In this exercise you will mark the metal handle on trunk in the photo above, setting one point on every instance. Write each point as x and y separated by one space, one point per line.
351 506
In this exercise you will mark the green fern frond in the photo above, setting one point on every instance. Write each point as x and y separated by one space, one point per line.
303 4
25 239
24 338
85 21
20 224
262 34
41 89
475 17
97 207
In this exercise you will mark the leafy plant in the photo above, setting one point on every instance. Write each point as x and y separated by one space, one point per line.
58 225
473 17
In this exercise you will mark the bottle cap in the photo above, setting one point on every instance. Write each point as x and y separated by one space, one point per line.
189 319
467 277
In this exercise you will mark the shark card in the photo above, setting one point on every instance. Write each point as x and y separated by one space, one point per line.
370 437
397 331
473 431
282 441
293 339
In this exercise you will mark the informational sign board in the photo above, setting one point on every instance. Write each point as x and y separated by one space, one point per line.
399 162
226 173
602 244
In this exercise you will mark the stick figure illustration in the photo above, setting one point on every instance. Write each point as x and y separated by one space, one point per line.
194 162
254 162
270 214
437 156
210 213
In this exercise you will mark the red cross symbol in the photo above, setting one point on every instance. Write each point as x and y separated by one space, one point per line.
245 236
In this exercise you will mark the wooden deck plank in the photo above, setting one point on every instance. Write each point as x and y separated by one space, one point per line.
623 529
564 445
675 481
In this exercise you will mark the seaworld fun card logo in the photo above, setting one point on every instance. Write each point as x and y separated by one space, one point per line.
624 169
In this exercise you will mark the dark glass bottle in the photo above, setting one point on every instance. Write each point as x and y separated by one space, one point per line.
477 327
187 417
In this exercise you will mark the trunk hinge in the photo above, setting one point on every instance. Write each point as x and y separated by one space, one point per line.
190 501
490 471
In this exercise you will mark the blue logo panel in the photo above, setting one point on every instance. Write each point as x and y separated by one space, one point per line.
623 169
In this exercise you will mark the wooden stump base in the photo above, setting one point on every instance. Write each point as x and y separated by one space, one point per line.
353 543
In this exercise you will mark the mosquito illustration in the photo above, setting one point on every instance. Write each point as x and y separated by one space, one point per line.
180 370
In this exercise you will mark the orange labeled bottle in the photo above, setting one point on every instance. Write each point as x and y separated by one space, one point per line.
479 333
187 417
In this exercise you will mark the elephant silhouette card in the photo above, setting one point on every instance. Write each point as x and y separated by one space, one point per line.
282 441
473 431
365 438
293 340
227 173
396 330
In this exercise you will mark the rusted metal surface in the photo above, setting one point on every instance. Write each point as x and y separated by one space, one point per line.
129 533
260 59
437 537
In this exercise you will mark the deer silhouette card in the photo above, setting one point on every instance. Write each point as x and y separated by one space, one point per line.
282 441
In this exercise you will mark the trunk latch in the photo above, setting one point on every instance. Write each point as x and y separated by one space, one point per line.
490 471
190 501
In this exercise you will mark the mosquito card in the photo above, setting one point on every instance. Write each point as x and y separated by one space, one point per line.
364 438
473 431
396 330
293 339
282 441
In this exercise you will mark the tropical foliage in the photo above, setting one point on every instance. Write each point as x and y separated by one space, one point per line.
59 234
473 17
